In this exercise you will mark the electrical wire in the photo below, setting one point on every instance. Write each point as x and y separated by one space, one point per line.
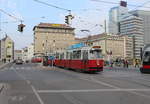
11 15
9 22
51 5
108 2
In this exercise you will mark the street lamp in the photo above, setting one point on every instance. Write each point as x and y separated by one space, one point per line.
89 35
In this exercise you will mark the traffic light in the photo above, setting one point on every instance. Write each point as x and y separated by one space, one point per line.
20 27
67 20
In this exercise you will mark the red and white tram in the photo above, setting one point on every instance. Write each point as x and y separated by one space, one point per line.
83 59
146 59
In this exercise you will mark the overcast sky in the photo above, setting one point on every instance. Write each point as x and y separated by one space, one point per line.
87 14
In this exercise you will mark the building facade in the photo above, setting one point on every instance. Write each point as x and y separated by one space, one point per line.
133 26
18 54
25 54
113 46
49 38
115 15
145 15
7 49
30 51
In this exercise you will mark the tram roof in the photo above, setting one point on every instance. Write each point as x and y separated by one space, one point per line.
76 46
85 48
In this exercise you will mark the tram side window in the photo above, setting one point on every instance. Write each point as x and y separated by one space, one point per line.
62 56
67 55
71 55
77 54
85 55
57 55
94 54
147 57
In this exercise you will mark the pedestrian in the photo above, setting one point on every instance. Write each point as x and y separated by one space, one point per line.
4 60
126 63
137 63
111 63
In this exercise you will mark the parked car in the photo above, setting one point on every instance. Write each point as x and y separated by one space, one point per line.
19 61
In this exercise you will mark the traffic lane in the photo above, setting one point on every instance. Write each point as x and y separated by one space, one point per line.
123 79
17 90
66 74
94 98
60 78
46 96
55 80
120 78
105 97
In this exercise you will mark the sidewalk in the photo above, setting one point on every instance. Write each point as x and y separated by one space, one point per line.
121 67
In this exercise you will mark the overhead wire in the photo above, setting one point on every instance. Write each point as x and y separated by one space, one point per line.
51 5
12 16
109 2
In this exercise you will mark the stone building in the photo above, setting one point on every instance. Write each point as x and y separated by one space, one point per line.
7 49
49 38
114 46
30 51
25 54
18 54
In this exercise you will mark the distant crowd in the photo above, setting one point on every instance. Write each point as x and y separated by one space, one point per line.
123 63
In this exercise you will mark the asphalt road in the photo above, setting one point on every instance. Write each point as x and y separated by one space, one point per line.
34 84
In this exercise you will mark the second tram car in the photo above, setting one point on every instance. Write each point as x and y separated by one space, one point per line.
83 59
146 60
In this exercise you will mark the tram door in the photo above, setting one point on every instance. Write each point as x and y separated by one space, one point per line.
45 60
85 59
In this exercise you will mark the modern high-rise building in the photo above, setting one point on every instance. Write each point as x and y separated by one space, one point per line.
115 15
145 15
133 26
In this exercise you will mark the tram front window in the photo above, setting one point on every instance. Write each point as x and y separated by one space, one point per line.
95 54
146 58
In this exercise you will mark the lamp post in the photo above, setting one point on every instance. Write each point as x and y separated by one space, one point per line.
89 35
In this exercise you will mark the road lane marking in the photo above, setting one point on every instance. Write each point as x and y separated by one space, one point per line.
103 83
71 99
37 95
92 90
28 82
100 82
142 95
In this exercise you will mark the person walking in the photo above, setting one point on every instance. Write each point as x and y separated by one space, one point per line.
137 63
111 63
126 63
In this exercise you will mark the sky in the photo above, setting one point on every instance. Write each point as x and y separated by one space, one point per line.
87 13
